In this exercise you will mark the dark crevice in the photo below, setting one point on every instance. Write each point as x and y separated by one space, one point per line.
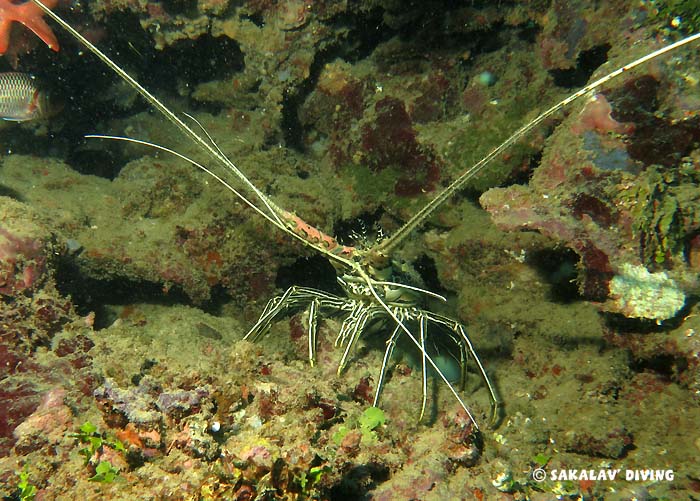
292 129
665 365
528 32
90 294
357 483
365 34
438 25
586 63
558 268
257 19
691 247
635 99
96 162
315 272
193 61
523 175
619 323
175 7
426 268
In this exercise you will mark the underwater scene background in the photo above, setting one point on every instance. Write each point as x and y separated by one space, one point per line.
128 278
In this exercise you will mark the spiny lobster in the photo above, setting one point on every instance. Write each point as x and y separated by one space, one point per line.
367 276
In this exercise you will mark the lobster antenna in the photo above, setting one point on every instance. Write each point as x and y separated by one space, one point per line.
201 167
387 245
276 215
274 211
242 197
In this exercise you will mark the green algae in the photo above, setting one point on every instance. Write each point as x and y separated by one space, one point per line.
665 210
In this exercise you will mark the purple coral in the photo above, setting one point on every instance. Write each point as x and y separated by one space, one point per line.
146 404
134 404
180 403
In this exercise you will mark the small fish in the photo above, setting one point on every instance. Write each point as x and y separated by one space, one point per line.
20 100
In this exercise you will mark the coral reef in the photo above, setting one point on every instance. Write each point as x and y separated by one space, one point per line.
127 279
25 246
618 184
107 254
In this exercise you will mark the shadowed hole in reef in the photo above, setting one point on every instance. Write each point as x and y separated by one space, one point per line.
523 175
357 483
191 62
97 161
174 7
89 294
315 272
586 63
427 270
558 268
666 366
636 326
